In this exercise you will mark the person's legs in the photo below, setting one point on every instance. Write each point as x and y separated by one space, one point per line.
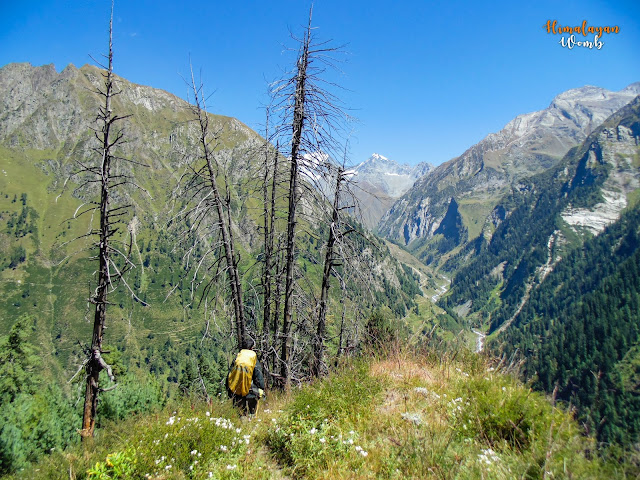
240 403
252 403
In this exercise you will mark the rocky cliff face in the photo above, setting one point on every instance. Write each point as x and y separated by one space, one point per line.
616 147
529 144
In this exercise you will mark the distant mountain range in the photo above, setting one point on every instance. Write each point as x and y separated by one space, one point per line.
468 187
557 283
379 181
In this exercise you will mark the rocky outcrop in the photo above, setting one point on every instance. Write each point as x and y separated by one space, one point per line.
616 147
46 110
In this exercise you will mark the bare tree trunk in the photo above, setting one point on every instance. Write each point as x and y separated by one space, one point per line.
223 221
268 243
298 125
276 307
95 363
344 312
319 367
269 239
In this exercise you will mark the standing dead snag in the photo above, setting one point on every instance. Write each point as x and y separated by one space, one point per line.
204 184
298 125
338 251
109 272
319 367
311 118
268 345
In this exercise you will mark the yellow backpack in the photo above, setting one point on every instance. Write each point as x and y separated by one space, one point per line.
239 380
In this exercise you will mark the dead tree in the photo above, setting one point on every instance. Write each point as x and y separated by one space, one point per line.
205 197
311 120
113 260
319 366
269 189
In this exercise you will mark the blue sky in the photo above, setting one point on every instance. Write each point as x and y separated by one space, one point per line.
425 79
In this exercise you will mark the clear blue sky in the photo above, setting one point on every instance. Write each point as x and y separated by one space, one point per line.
426 79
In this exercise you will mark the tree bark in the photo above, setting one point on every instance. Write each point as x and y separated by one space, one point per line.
225 226
319 367
298 126
95 363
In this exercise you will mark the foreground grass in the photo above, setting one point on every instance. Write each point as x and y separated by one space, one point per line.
401 416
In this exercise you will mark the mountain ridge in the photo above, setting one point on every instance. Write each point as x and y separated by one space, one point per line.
380 181
528 144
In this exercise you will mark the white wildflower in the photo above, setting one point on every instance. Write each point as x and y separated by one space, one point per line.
313 431
363 453
414 418
322 440
232 467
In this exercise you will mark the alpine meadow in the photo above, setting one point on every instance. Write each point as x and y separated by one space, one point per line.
475 318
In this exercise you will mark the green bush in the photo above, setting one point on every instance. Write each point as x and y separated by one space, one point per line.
133 395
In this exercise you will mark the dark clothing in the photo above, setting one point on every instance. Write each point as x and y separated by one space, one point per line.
245 404
257 381
249 403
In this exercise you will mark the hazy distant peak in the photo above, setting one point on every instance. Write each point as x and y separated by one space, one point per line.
634 89
588 92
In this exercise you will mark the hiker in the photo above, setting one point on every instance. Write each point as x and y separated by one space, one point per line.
245 383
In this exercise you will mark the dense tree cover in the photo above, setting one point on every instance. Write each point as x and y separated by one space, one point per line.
580 324
34 418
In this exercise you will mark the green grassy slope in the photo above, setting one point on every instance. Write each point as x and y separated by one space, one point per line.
403 415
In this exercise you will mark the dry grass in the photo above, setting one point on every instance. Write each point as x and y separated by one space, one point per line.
403 370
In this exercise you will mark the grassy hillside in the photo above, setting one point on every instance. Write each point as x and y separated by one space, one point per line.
46 274
163 337
398 415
